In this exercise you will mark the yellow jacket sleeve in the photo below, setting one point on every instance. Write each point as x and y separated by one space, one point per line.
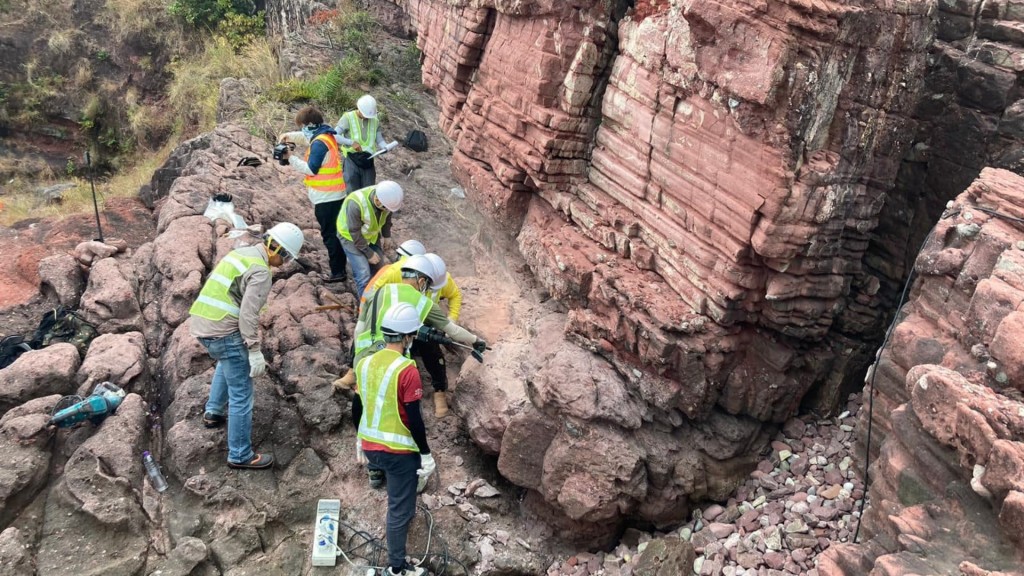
392 275
452 293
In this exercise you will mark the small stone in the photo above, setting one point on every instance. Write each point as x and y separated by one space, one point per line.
831 492
698 564
712 512
784 455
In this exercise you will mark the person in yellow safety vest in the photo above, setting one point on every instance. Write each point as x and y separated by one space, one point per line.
391 436
364 225
359 135
402 253
417 277
442 287
225 319
324 182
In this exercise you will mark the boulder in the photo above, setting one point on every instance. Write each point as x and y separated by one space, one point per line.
110 301
50 370
14 553
96 504
25 442
117 358
62 274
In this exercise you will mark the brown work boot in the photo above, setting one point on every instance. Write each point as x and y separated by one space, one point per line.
346 382
440 405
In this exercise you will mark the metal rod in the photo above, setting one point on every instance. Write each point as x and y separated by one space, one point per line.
95 205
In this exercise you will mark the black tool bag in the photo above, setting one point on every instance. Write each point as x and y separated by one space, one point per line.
62 324
362 160
416 141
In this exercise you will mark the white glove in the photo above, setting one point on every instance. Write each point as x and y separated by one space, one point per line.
257 363
361 458
427 466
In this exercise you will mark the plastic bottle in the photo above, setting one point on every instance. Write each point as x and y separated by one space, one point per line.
156 478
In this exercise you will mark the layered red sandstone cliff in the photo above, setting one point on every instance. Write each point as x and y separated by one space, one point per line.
698 182
947 491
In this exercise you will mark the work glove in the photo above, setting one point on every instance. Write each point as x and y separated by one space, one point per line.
257 363
361 458
427 466
374 259
480 345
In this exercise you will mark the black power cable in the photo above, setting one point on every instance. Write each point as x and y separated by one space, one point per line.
888 334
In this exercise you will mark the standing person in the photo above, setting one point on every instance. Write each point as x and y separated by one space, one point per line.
359 136
391 434
363 224
225 319
324 182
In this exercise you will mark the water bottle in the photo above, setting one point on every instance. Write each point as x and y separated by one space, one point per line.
156 478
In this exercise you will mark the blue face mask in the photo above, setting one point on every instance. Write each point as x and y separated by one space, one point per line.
307 131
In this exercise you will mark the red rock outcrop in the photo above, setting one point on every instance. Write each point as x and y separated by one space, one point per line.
699 182
948 480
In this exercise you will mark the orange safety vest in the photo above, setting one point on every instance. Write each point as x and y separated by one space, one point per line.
329 178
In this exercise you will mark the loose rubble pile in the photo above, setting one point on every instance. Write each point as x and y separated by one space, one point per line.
803 497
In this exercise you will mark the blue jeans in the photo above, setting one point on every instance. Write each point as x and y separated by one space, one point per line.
400 475
231 389
362 270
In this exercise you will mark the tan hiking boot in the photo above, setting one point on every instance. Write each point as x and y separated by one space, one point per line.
346 382
440 405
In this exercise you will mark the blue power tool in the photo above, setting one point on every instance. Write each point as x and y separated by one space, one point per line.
71 410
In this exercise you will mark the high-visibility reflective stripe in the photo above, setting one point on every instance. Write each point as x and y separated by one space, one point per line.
372 430
238 264
218 278
327 179
232 310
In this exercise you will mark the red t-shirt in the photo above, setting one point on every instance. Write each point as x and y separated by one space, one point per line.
410 389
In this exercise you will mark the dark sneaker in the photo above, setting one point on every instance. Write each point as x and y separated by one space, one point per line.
260 462
376 478
335 279
211 420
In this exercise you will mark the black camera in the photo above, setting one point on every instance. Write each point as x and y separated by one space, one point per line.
279 151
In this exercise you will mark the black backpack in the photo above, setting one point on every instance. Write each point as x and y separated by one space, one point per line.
416 141
10 348
62 324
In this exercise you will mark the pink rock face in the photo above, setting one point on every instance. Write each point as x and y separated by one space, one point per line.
947 481
698 182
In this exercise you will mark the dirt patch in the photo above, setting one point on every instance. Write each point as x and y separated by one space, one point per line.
29 241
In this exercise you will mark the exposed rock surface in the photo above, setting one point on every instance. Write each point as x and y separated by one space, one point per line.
948 427
39 373
698 182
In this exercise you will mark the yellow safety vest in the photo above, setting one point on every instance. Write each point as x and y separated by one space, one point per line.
215 301
371 225
390 295
367 141
377 377
328 184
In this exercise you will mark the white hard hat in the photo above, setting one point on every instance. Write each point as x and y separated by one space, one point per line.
288 236
390 195
420 264
400 319
440 277
411 248
367 106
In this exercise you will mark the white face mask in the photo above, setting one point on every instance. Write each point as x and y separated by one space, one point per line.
307 131
408 346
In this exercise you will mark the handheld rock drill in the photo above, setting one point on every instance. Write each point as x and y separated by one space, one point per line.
428 334
103 401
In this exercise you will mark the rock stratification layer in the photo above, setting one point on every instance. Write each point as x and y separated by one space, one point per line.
947 487
699 183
